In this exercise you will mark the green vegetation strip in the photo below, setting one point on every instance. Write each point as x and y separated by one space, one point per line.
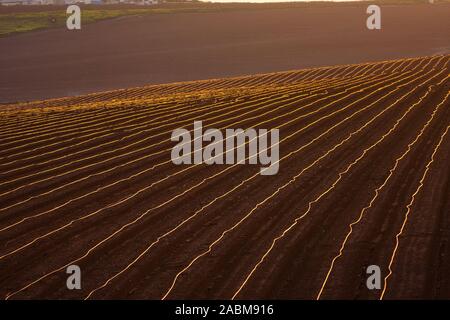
19 22
23 22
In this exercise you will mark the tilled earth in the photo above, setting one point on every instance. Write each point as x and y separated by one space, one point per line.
164 48
363 180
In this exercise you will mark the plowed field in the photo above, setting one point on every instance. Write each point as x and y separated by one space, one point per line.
364 179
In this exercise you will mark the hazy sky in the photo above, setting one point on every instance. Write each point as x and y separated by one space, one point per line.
272 0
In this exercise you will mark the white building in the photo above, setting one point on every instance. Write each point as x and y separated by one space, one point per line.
141 2
46 2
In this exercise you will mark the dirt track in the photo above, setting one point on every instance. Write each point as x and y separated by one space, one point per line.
152 49
89 181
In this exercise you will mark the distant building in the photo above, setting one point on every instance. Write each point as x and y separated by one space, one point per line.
23 2
48 2
141 2
62 2
76 1
12 2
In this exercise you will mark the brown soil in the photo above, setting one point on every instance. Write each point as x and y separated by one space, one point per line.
163 48
67 163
